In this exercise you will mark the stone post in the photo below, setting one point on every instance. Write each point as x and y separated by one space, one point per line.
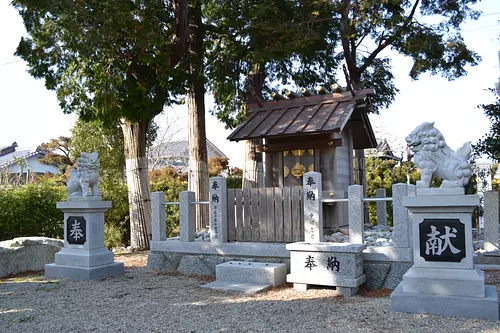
313 208
188 216
402 232
381 207
491 213
356 214
218 210
158 224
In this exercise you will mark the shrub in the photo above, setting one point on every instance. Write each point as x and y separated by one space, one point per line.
30 210
172 183
116 228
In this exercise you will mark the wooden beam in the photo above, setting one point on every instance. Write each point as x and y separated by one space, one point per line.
305 144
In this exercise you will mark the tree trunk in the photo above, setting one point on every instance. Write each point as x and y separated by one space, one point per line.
253 169
139 194
198 157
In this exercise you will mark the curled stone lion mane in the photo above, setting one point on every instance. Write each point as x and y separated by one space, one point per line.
435 158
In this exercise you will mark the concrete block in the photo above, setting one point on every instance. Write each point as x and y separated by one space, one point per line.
163 261
252 272
491 213
246 288
356 214
461 306
187 216
82 258
218 210
329 281
381 207
376 274
448 282
84 273
396 273
158 224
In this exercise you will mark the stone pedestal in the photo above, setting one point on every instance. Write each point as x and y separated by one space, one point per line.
338 265
443 279
84 256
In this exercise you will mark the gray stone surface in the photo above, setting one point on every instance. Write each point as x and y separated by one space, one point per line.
163 261
396 273
90 260
401 217
218 210
461 306
447 282
84 273
381 207
158 223
187 216
313 207
376 274
326 247
225 249
196 265
246 288
356 214
252 272
491 214
24 254
350 266
321 281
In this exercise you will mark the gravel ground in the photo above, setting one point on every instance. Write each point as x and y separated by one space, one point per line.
147 301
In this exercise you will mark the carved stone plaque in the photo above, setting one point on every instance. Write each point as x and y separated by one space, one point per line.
442 240
76 230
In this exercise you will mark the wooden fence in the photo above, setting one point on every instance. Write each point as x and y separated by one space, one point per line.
270 214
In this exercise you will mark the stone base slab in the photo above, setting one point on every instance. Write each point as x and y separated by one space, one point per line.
84 258
343 291
321 281
447 282
84 273
252 272
457 306
247 288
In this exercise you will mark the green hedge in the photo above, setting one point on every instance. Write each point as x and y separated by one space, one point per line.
30 210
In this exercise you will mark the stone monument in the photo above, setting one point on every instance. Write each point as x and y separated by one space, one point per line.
314 262
443 279
84 256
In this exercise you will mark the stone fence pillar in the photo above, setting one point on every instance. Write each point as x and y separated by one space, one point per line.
491 214
158 224
313 208
188 216
356 214
381 207
402 231
218 210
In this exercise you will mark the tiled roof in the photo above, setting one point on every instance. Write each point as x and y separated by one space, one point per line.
304 115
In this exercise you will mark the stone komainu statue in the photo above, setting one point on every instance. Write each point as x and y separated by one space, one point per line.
434 157
84 180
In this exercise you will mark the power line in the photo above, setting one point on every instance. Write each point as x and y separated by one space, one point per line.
12 62
485 27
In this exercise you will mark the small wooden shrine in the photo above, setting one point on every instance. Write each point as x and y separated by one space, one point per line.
311 133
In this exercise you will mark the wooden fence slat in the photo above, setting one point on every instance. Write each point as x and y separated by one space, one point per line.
278 214
271 235
231 222
247 216
254 194
263 216
287 215
296 208
239 214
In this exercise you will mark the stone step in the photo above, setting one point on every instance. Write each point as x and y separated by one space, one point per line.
261 273
247 288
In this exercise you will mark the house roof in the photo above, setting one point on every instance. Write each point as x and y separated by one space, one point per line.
383 151
10 158
310 115
178 148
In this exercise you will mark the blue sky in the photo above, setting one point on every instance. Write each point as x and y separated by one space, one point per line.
31 115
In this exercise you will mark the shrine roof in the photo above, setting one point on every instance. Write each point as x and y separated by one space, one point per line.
309 115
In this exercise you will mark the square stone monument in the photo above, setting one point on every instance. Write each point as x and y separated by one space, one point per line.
84 256
314 262
443 279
